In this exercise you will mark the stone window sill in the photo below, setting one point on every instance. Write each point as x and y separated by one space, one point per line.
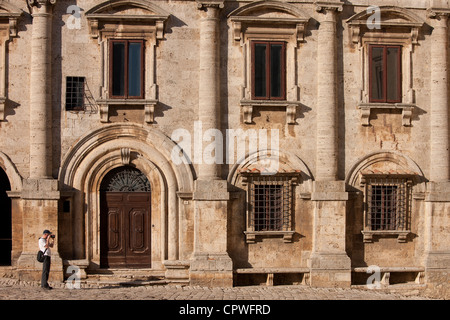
407 110
149 107
402 235
290 106
251 236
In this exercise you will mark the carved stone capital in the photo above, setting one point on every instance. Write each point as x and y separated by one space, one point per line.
41 2
205 4
328 6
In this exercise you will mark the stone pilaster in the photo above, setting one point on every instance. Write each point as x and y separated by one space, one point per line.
437 198
40 194
329 262
39 212
211 264
439 134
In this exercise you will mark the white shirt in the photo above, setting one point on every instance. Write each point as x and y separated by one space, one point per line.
42 243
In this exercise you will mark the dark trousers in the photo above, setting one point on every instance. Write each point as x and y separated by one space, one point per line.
45 271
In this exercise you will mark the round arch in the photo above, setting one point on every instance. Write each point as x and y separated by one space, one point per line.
278 160
112 146
389 161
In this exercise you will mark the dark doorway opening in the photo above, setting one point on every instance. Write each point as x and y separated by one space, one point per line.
5 221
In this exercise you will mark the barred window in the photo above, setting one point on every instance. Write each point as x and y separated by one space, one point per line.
75 93
270 203
387 204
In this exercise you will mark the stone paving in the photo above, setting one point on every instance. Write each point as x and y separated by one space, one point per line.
11 289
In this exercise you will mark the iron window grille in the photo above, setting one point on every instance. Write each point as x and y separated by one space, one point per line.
75 92
387 206
270 204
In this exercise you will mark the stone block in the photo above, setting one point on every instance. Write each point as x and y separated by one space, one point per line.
211 190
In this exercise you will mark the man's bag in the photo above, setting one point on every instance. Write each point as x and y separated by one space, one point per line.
40 255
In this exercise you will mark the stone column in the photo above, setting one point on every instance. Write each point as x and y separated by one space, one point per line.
327 146
209 83
211 264
439 134
329 262
40 194
437 197
40 90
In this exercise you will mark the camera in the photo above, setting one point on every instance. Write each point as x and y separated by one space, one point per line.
52 236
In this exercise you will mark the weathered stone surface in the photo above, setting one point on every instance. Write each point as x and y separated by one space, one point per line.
198 69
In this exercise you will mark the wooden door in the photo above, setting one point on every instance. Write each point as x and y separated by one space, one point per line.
125 230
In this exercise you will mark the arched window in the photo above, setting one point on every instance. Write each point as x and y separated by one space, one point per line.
125 179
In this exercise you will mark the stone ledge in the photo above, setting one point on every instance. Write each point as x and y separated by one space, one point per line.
407 110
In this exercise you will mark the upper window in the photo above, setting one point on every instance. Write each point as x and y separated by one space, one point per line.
268 70
126 69
385 73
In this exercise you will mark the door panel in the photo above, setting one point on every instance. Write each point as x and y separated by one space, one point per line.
137 226
114 229
125 229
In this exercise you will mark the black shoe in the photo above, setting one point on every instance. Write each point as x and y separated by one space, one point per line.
47 288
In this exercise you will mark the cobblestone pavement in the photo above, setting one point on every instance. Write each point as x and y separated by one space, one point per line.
18 290
192 302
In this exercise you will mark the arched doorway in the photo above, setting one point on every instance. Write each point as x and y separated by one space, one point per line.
5 220
125 219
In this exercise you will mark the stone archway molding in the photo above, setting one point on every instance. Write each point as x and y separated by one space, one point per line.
400 160
94 155
286 162
11 171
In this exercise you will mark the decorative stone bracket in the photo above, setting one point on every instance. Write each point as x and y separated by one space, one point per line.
149 107
407 111
248 106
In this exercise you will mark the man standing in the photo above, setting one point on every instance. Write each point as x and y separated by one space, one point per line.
45 243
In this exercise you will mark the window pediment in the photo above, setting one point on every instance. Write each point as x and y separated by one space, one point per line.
393 19
135 16
261 13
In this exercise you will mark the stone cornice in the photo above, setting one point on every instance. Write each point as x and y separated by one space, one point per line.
434 13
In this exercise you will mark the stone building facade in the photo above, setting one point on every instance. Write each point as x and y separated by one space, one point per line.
228 142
